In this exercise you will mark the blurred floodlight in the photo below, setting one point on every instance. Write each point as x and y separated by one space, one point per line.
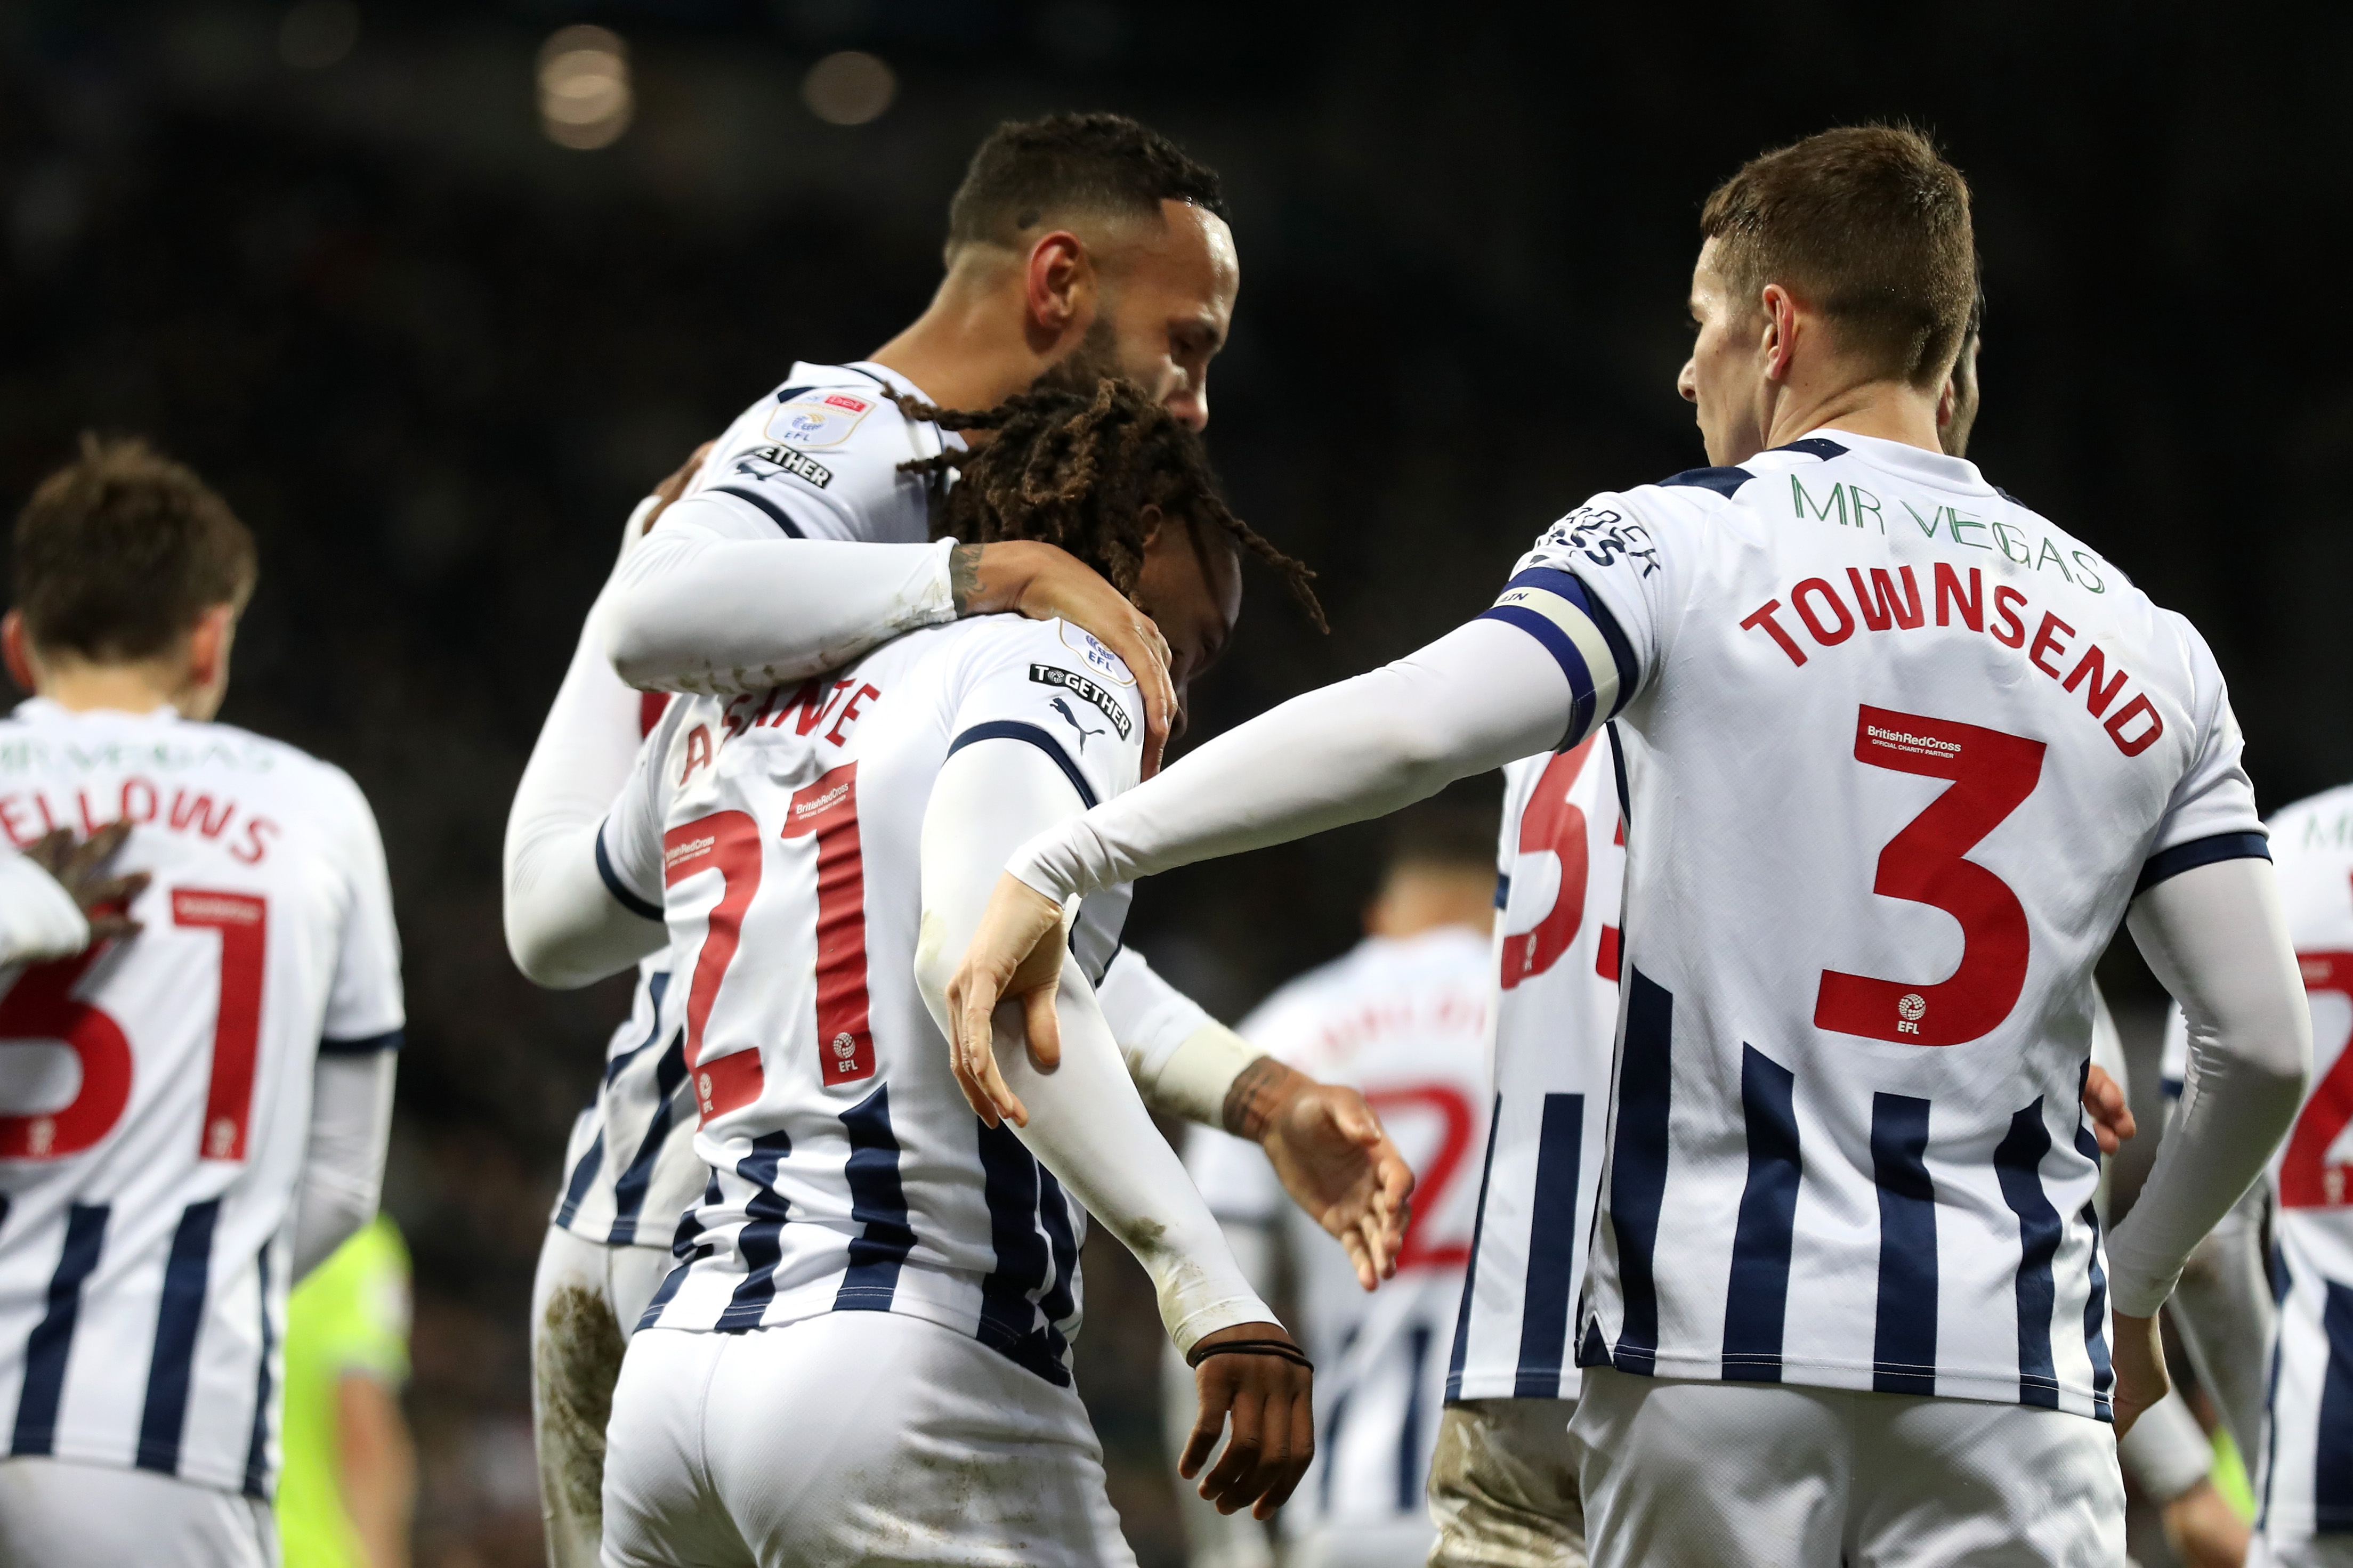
316 34
848 88
584 87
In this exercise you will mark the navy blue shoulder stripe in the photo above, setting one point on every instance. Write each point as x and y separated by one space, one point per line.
367 1046
754 499
1723 481
1816 446
2199 852
1015 730
628 900
787 394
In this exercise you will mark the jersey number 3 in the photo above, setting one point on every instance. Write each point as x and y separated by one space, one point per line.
1926 863
42 1008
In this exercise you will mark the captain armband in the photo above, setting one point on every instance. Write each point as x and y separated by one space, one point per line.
1583 638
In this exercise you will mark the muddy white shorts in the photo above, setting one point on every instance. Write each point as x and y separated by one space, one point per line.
1738 1473
850 1438
55 1514
585 1299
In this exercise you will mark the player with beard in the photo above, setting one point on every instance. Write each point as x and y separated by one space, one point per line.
1077 244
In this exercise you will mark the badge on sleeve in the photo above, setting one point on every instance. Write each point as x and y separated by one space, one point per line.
821 416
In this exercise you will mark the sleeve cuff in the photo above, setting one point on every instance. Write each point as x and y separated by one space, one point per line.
642 907
2168 863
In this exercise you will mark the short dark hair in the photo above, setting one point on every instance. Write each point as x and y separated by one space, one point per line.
1030 170
1872 226
121 552
1448 834
1074 464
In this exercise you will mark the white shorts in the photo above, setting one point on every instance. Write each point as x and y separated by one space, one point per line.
585 1299
55 1514
1694 1472
849 1437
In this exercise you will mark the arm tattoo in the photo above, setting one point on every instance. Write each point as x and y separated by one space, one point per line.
1255 1093
964 576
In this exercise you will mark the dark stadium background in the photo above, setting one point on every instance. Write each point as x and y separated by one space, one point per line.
433 357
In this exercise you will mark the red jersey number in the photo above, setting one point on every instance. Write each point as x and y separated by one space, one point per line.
1925 863
1431 1184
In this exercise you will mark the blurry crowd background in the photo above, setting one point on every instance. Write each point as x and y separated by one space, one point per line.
434 291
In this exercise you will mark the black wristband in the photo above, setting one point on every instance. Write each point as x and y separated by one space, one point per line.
1282 1348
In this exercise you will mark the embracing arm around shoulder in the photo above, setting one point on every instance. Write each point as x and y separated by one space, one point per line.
2217 938
717 601
1087 1122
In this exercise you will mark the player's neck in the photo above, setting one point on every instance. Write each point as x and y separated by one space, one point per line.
139 686
969 349
1890 410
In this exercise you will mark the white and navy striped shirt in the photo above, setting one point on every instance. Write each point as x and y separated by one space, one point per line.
2305 1475
1907 750
1562 865
1404 1020
816 458
780 833
156 1091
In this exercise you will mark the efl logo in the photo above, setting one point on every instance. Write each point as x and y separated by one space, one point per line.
1910 1009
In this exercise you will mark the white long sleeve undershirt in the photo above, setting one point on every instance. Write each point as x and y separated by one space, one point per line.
2217 938
342 1166
693 610
1479 696
39 918
564 926
1087 1121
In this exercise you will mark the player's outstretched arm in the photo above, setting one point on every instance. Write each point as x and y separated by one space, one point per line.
1086 1122
563 928
1324 1142
1478 697
58 895
2216 936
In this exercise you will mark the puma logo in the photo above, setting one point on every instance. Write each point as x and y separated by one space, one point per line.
1073 720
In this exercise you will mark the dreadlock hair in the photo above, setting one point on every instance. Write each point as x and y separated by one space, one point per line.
1075 467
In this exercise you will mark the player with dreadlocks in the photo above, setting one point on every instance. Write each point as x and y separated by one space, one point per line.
877 1290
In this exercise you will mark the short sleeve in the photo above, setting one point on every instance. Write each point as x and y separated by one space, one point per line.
2211 815
803 465
629 842
1051 685
1623 556
364 1009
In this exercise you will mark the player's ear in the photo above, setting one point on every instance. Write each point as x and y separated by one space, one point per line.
208 644
1057 283
17 653
1151 520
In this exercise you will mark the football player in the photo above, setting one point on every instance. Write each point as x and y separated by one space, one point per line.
1404 1018
1083 243
1911 754
864 1352
196 1105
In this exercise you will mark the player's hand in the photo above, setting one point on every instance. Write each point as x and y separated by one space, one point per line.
1271 1404
2141 1376
670 488
81 870
2104 1103
1339 1167
2204 1530
1042 582
1016 958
